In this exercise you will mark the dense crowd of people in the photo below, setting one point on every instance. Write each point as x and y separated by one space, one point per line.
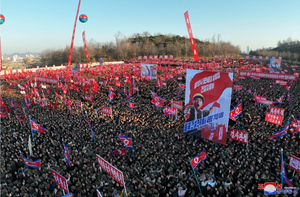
160 164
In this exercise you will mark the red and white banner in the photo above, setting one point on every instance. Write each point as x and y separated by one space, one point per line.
85 48
188 25
268 75
72 43
240 136
111 170
177 104
47 80
207 100
237 87
135 89
294 163
283 83
106 110
88 98
261 98
60 181
275 119
277 111
78 104
296 74
267 102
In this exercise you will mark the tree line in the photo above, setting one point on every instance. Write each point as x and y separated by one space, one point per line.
287 49
140 45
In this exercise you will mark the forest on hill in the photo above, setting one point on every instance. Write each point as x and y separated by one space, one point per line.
139 45
287 49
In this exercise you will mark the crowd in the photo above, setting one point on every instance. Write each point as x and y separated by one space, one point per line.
160 166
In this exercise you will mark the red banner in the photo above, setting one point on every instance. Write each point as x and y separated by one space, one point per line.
218 136
60 181
177 104
283 83
188 25
267 102
294 163
106 110
237 135
275 119
111 170
237 87
88 98
261 98
47 80
77 104
267 75
135 89
72 42
85 48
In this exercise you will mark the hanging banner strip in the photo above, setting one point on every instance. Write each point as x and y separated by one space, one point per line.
72 42
188 25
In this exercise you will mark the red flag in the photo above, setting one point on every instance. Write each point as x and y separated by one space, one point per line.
50 106
55 105
36 127
197 160
216 104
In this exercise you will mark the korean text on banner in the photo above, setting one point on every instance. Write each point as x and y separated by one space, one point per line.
111 170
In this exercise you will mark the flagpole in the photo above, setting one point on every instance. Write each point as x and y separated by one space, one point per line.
281 177
30 126
124 186
196 178
91 128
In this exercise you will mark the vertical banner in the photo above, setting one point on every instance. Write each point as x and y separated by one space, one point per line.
188 25
207 103
85 48
72 42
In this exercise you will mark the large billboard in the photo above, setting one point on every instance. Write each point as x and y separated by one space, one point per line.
275 65
207 101
149 70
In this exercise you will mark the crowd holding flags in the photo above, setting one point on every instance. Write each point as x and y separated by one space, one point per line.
158 101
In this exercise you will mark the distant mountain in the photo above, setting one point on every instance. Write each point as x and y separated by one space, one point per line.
23 54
